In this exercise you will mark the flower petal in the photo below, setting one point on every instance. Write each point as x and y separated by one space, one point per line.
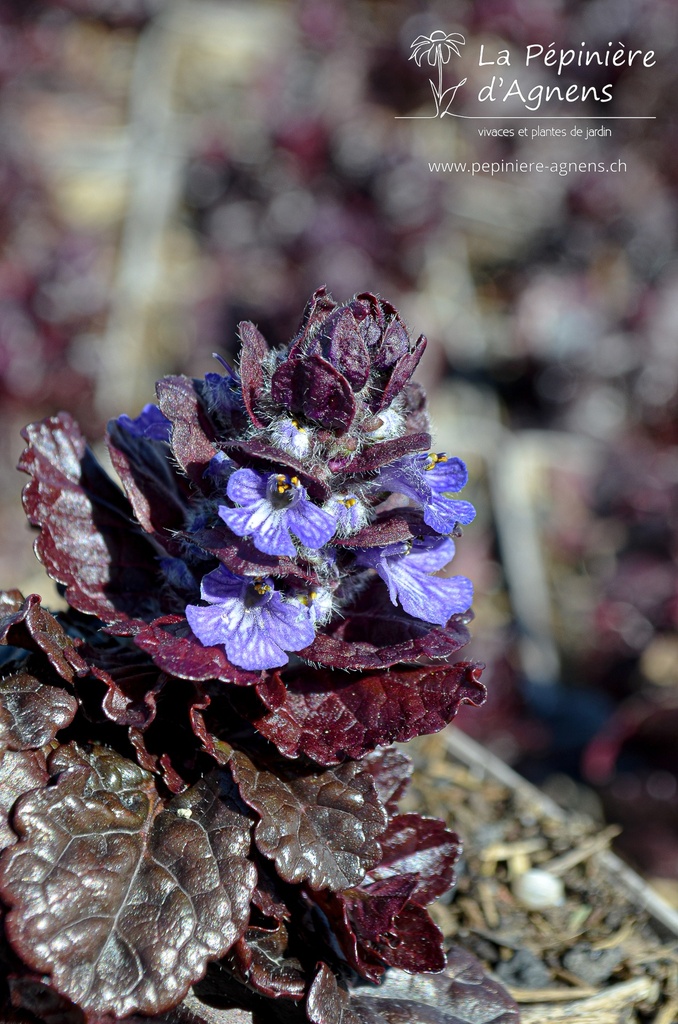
246 486
430 598
449 475
312 525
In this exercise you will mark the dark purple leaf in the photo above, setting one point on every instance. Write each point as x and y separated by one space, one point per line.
329 717
381 453
27 625
192 433
240 555
87 540
462 994
342 345
20 772
395 344
391 527
121 899
252 354
261 960
173 648
420 847
402 371
391 771
155 491
317 308
329 1004
267 896
263 456
313 387
318 827
31 712
377 634
377 926
193 1011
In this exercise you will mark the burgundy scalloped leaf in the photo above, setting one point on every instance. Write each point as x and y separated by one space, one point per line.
192 433
87 539
422 848
328 1004
342 345
391 771
378 926
252 354
123 900
131 693
320 827
194 1011
391 527
266 457
167 744
20 772
240 556
261 960
329 717
31 627
378 634
315 312
155 491
400 375
174 649
313 387
31 712
381 453
461 994
267 896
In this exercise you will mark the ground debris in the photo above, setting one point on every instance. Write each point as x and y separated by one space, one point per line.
597 957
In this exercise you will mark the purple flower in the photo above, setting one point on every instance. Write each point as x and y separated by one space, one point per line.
255 623
222 391
405 569
348 511
272 507
150 423
292 438
424 479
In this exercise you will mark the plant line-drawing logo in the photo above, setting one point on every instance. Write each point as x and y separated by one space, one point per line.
438 49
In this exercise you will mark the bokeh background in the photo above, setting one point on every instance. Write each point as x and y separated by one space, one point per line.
171 167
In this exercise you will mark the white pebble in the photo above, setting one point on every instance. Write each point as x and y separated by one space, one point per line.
537 889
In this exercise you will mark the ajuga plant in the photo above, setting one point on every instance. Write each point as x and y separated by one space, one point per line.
199 792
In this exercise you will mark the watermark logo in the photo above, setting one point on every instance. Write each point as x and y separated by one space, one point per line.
437 49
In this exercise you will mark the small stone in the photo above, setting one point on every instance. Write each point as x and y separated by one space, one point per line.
537 889
525 970
592 965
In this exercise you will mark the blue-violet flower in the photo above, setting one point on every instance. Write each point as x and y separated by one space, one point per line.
253 621
272 507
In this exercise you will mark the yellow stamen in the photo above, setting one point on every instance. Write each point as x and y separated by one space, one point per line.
261 587
295 480
434 459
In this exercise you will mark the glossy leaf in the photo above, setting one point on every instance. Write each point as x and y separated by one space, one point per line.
31 712
192 434
87 538
121 899
254 350
421 847
25 623
329 717
391 771
20 772
155 491
261 959
318 827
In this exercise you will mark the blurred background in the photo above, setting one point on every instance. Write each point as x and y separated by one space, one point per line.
171 167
